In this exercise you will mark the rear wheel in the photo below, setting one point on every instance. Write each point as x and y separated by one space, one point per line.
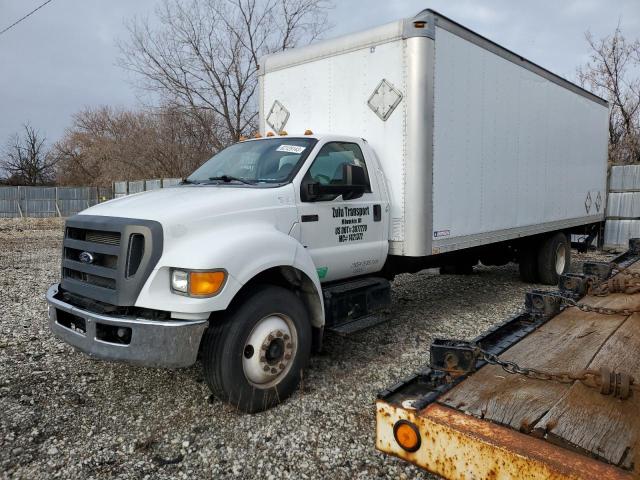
253 358
554 258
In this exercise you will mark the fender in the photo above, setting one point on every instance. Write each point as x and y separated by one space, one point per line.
243 251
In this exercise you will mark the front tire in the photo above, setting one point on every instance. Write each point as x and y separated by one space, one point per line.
554 258
253 358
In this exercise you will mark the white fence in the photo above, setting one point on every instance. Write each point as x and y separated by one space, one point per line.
16 202
623 206
121 189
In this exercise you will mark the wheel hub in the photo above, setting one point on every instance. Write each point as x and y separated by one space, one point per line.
561 259
269 351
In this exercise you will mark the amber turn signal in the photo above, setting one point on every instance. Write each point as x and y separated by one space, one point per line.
206 284
407 435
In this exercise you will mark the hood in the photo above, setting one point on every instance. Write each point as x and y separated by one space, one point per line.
187 203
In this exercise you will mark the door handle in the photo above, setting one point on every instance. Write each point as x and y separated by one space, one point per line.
309 218
377 213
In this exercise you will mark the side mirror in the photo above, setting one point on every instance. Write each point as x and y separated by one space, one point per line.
353 186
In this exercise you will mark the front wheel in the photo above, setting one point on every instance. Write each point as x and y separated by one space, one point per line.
253 358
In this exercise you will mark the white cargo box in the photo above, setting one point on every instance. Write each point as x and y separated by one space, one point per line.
477 144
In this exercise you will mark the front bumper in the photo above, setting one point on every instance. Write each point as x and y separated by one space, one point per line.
150 343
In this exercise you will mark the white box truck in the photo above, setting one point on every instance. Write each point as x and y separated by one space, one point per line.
440 149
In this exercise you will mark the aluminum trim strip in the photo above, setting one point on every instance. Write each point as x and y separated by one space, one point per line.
443 245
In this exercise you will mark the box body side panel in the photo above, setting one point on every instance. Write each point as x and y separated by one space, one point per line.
330 95
514 153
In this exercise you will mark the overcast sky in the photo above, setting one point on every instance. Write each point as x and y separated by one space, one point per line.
63 57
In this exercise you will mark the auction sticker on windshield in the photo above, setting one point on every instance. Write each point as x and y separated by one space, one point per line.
290 149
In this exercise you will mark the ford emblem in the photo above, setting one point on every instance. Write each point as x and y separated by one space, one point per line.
86 257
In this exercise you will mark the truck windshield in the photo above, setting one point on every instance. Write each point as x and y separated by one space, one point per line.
269 160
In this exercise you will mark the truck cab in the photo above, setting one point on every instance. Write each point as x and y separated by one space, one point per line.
230 264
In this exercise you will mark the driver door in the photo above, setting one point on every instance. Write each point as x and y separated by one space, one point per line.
345 238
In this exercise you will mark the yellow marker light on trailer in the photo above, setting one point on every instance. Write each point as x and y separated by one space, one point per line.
206 284
407 435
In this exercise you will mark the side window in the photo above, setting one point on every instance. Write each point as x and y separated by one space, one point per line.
327 168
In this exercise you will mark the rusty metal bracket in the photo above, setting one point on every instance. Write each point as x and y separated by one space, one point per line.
573 285
545 304
455 357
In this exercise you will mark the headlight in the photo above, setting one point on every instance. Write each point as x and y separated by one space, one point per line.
197 283
180 281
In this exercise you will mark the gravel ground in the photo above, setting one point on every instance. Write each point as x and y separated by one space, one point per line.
64 415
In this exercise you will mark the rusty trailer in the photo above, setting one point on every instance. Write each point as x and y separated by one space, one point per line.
551 393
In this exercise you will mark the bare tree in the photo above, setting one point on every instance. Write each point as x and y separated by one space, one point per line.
204 55
26 160
612 72
105 144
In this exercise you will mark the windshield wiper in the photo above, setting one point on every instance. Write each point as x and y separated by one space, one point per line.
230 178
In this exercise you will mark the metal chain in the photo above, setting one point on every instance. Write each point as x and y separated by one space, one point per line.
625 281
602 310
619 385
618 284
614 285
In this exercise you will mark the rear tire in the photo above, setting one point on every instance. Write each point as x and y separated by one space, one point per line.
528 263
554 258
253 358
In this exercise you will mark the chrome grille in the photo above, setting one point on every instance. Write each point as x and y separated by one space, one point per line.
94 236
108 238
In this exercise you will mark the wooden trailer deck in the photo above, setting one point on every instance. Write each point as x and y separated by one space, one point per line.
492 424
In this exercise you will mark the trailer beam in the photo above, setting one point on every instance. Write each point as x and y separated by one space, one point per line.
460 446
